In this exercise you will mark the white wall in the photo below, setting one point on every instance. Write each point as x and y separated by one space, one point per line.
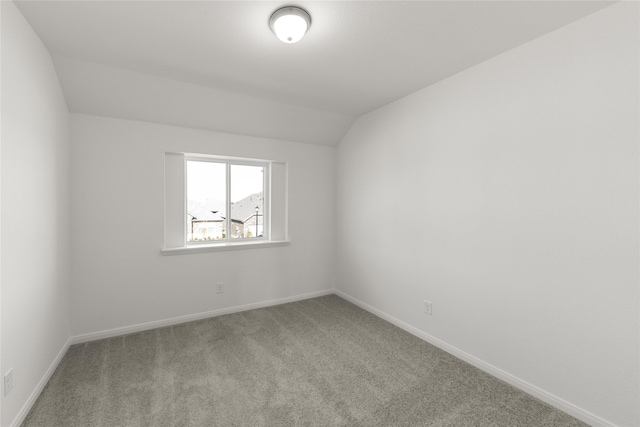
508 196
120 278
35 209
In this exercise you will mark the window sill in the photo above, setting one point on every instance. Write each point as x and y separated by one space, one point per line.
219 247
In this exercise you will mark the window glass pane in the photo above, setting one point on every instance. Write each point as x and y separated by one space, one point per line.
247 201
206 201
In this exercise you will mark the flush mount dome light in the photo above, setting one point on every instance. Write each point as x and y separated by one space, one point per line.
290 23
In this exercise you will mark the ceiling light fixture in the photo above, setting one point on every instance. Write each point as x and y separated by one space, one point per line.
290 23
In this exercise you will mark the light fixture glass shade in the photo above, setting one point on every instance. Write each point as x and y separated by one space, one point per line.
290 23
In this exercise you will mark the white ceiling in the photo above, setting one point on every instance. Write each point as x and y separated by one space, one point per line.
216 65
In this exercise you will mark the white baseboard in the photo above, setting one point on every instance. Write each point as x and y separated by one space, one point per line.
19 419
537 392
190 317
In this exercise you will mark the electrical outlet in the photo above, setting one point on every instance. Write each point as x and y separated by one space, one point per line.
427 307
220 287
8 382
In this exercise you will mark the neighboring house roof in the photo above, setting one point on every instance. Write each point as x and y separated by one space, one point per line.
245 208
202 215
213 209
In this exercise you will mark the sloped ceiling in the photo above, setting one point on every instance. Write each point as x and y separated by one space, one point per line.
216 65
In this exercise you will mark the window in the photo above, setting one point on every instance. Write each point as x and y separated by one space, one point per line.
220 203
225 200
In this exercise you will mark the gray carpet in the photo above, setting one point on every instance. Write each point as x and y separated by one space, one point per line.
319 362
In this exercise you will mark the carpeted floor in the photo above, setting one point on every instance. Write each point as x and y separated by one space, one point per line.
319 362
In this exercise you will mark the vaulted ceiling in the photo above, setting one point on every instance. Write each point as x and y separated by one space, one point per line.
216 65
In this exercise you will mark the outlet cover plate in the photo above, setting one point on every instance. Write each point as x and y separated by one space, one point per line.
8 382
428 307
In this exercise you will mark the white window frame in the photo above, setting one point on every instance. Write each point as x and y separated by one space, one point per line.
228 162
275 221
